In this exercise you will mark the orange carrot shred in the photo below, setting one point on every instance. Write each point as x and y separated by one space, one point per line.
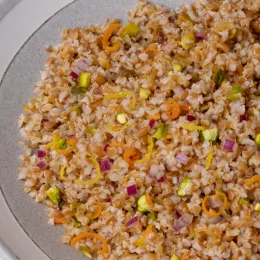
252 180
173 109
151 50
72 142
100 80
155 116
140 241
59 218
211 212
185 256
185 107
85 235
149 200
130 155
97 212
107 35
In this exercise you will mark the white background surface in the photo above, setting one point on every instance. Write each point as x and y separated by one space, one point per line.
15 28
6 6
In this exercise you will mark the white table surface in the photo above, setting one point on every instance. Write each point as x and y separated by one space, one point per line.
6 6
5 253
10 228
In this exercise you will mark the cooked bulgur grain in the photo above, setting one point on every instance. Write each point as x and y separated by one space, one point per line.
119 141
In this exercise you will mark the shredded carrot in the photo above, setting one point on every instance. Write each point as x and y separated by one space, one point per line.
118 144
152 49
191 127
59 218
140 241
211 212
185 107
62 173
72 142
100 80
29 109
148 230
54 144
252 180
169 137
117 128
107 35
173 109
149 200
123 94
116 108
185 256
97 212
209 160
155 116
205 230
131 155
147 157
124 180
26 108
85 235
98 172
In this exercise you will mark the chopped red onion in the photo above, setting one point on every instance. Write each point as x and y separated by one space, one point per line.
105 165
152 123
105 148
162 179
182 158
176 179
178 213
183 221
42 164
167 48
154 170
228 145
160 38
171 19
109 200
41 153
75 72
132 222
190 117
200 36
74 75
242 118
69 136
131 190
82 65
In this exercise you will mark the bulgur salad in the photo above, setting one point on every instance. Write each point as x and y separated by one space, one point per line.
143 138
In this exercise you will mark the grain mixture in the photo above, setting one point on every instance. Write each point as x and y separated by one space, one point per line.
143 139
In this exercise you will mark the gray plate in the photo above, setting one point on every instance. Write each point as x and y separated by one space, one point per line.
15 90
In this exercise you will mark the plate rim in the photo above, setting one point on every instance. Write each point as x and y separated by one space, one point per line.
13 40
